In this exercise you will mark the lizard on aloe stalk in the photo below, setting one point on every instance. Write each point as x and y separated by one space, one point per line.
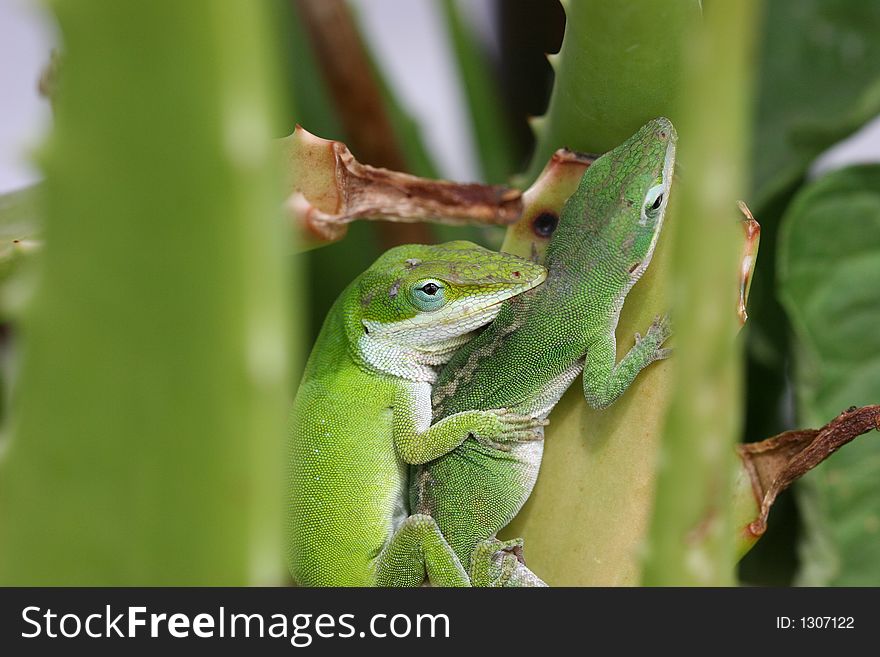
539 343
363 412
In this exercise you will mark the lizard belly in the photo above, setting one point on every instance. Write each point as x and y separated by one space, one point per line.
475 490
345 483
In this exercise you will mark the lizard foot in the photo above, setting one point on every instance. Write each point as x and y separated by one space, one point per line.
513 428
494 562
659 331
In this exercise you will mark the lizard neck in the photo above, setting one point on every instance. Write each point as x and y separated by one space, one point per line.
407 362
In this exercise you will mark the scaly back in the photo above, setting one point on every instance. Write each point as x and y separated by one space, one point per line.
606 237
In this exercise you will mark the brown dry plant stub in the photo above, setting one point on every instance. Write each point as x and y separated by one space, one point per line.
356 89
328 188
774 464
543 201
752 230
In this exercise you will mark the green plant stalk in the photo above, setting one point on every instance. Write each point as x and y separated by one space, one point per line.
590 509
690 541
618 67
147 426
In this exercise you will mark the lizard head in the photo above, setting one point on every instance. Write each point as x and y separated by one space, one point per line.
429 297
621 203
644 194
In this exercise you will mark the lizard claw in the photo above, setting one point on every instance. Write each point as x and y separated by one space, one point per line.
658 332
512 419
661 327
663 353
493 562
513 428
525 436
492 444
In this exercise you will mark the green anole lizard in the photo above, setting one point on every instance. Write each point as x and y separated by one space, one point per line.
363 412
543 339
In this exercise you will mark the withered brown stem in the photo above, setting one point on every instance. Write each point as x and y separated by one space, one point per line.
752 230
328 188
775 463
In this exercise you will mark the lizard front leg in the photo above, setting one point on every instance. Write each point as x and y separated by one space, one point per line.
418 441
605 380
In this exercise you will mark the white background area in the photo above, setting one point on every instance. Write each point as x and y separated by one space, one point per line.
408 37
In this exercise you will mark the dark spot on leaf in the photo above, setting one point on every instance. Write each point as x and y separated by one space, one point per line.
544 224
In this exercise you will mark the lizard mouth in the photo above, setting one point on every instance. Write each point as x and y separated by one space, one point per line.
491 309
435 332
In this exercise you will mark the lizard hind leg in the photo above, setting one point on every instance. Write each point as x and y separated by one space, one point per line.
417 553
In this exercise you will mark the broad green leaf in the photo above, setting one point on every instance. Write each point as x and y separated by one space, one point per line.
829 283
818 81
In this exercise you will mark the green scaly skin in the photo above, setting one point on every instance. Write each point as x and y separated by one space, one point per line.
363 412
541 341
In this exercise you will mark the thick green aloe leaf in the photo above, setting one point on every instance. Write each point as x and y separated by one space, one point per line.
146 431
829 283
618 67
591 511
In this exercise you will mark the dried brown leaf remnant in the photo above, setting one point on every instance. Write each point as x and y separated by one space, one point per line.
775 463
328 188
752 230
543 201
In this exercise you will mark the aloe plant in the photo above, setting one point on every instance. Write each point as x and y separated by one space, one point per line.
147 422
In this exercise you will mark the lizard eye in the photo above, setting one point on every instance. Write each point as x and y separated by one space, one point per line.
653 201
429 294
